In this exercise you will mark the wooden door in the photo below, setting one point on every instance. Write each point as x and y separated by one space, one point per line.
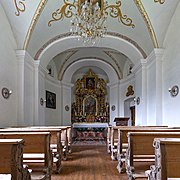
132 109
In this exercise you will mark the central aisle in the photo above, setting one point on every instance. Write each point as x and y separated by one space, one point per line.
89 163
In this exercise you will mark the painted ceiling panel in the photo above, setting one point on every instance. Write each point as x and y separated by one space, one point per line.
160 16
20 23
139 34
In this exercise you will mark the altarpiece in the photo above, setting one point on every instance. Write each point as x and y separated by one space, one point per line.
90 100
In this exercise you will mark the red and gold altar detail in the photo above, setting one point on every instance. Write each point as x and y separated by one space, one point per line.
90 100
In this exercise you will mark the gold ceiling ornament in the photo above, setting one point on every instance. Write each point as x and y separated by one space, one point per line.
89 18
147 21
160 1
20 7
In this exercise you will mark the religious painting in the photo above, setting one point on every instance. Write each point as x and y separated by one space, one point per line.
90 106
50 100
90 83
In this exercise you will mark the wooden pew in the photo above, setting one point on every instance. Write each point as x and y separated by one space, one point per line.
11 160
167 159
140 149
65 137
115 139
36 151
123 140
109 139
55 142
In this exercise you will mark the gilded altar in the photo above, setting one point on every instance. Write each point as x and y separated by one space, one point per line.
90 100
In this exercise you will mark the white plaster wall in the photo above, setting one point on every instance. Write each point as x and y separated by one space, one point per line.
124 84
138 93
41 94
151 94
66 101
53 116
28 90
114 99
8 72
171 71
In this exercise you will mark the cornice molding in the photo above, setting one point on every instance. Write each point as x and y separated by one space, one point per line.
147 21
33 22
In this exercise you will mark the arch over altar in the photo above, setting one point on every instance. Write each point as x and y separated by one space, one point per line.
90 105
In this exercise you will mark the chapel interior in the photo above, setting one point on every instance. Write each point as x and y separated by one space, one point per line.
57 68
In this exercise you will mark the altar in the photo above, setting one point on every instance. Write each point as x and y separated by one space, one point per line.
90 125
90 104
89 131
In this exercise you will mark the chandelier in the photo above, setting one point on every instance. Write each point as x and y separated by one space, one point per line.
89 18
89 23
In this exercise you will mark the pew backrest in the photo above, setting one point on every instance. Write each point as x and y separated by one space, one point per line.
11 159
167 158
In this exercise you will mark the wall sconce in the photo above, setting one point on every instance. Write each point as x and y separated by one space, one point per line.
42 101
137 100
174 90
6 93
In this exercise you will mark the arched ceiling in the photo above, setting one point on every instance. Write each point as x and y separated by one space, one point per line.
29 21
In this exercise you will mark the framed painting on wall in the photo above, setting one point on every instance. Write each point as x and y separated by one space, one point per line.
50 100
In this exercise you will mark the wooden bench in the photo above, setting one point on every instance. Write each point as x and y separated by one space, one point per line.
167 161
55 142
115 137
140 149
65 137
36 152
11 160
123 140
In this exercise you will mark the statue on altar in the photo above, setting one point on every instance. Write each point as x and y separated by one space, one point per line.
90 94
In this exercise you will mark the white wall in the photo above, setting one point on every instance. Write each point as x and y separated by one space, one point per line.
28 90
171 71
151 93
8 72
53 116
124 103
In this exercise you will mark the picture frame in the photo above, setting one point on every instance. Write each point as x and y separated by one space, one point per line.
50 100
90 83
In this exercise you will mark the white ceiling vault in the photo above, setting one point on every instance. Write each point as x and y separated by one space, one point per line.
29 22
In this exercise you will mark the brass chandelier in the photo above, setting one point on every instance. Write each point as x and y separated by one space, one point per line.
89 18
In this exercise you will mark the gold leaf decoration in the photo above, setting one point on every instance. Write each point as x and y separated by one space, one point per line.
160 1
20 7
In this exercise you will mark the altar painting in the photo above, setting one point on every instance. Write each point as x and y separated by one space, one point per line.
90 106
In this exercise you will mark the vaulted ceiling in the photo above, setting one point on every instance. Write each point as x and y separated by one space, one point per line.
29 22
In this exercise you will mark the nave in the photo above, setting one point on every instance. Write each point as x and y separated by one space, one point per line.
89 163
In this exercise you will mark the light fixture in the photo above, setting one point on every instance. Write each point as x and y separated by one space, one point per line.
137 100
42 101
89 18
6 93
174 90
